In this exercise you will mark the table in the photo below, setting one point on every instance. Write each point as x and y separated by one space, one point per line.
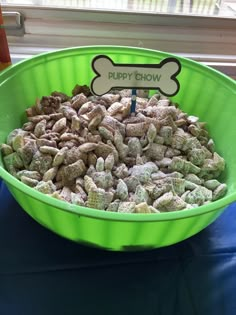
44 274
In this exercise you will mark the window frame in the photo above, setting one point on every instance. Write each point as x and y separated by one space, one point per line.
210 40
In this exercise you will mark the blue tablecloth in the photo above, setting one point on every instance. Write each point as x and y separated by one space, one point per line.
44 274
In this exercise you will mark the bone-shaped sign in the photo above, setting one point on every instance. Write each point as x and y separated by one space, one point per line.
160 76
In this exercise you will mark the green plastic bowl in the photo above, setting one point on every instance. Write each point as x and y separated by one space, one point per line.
203 92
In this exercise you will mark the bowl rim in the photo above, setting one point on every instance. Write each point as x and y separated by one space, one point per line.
102 214
55 53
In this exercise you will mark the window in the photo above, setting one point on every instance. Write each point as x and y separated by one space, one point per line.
199 7
204 30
